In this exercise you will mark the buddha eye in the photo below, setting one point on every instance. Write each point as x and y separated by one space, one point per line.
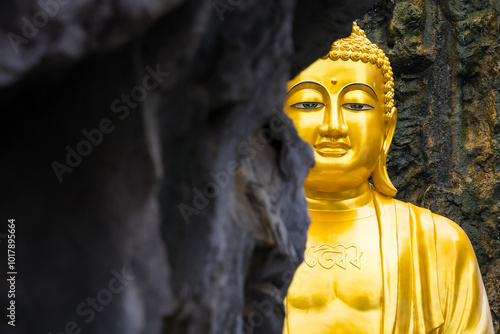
308 105
357 106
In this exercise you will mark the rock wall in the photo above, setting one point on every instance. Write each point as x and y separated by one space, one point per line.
445 155
155 183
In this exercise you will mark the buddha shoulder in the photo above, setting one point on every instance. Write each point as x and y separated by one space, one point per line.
449 235
451 239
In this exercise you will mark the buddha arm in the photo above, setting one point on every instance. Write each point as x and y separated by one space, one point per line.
462 294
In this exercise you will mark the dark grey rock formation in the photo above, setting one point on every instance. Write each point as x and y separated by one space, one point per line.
154 181
445 154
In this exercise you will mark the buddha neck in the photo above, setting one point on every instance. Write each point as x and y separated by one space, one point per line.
345 200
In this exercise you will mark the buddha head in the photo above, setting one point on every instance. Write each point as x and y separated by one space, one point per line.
343 105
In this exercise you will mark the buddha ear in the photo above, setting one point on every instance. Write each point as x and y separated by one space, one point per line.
380 177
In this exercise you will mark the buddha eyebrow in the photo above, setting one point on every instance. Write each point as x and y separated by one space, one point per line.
362 84
317 83
306 82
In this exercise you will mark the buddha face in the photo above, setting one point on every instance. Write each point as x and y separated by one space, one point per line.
338 108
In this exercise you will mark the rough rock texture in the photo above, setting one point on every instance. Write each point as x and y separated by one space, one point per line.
445 155
155 183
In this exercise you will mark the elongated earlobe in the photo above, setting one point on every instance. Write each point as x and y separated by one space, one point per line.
381 179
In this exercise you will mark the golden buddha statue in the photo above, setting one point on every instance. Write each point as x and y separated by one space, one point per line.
372 264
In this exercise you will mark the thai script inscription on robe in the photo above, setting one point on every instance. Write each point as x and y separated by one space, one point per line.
328 256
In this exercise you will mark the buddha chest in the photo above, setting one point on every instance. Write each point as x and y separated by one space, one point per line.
338 287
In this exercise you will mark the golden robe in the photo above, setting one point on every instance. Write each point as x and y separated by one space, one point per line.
431 279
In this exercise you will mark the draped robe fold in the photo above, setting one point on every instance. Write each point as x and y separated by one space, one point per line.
431 280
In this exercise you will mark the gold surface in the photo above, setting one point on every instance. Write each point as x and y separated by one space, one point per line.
372 264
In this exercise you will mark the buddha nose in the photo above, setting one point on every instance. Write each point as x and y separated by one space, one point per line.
333 125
